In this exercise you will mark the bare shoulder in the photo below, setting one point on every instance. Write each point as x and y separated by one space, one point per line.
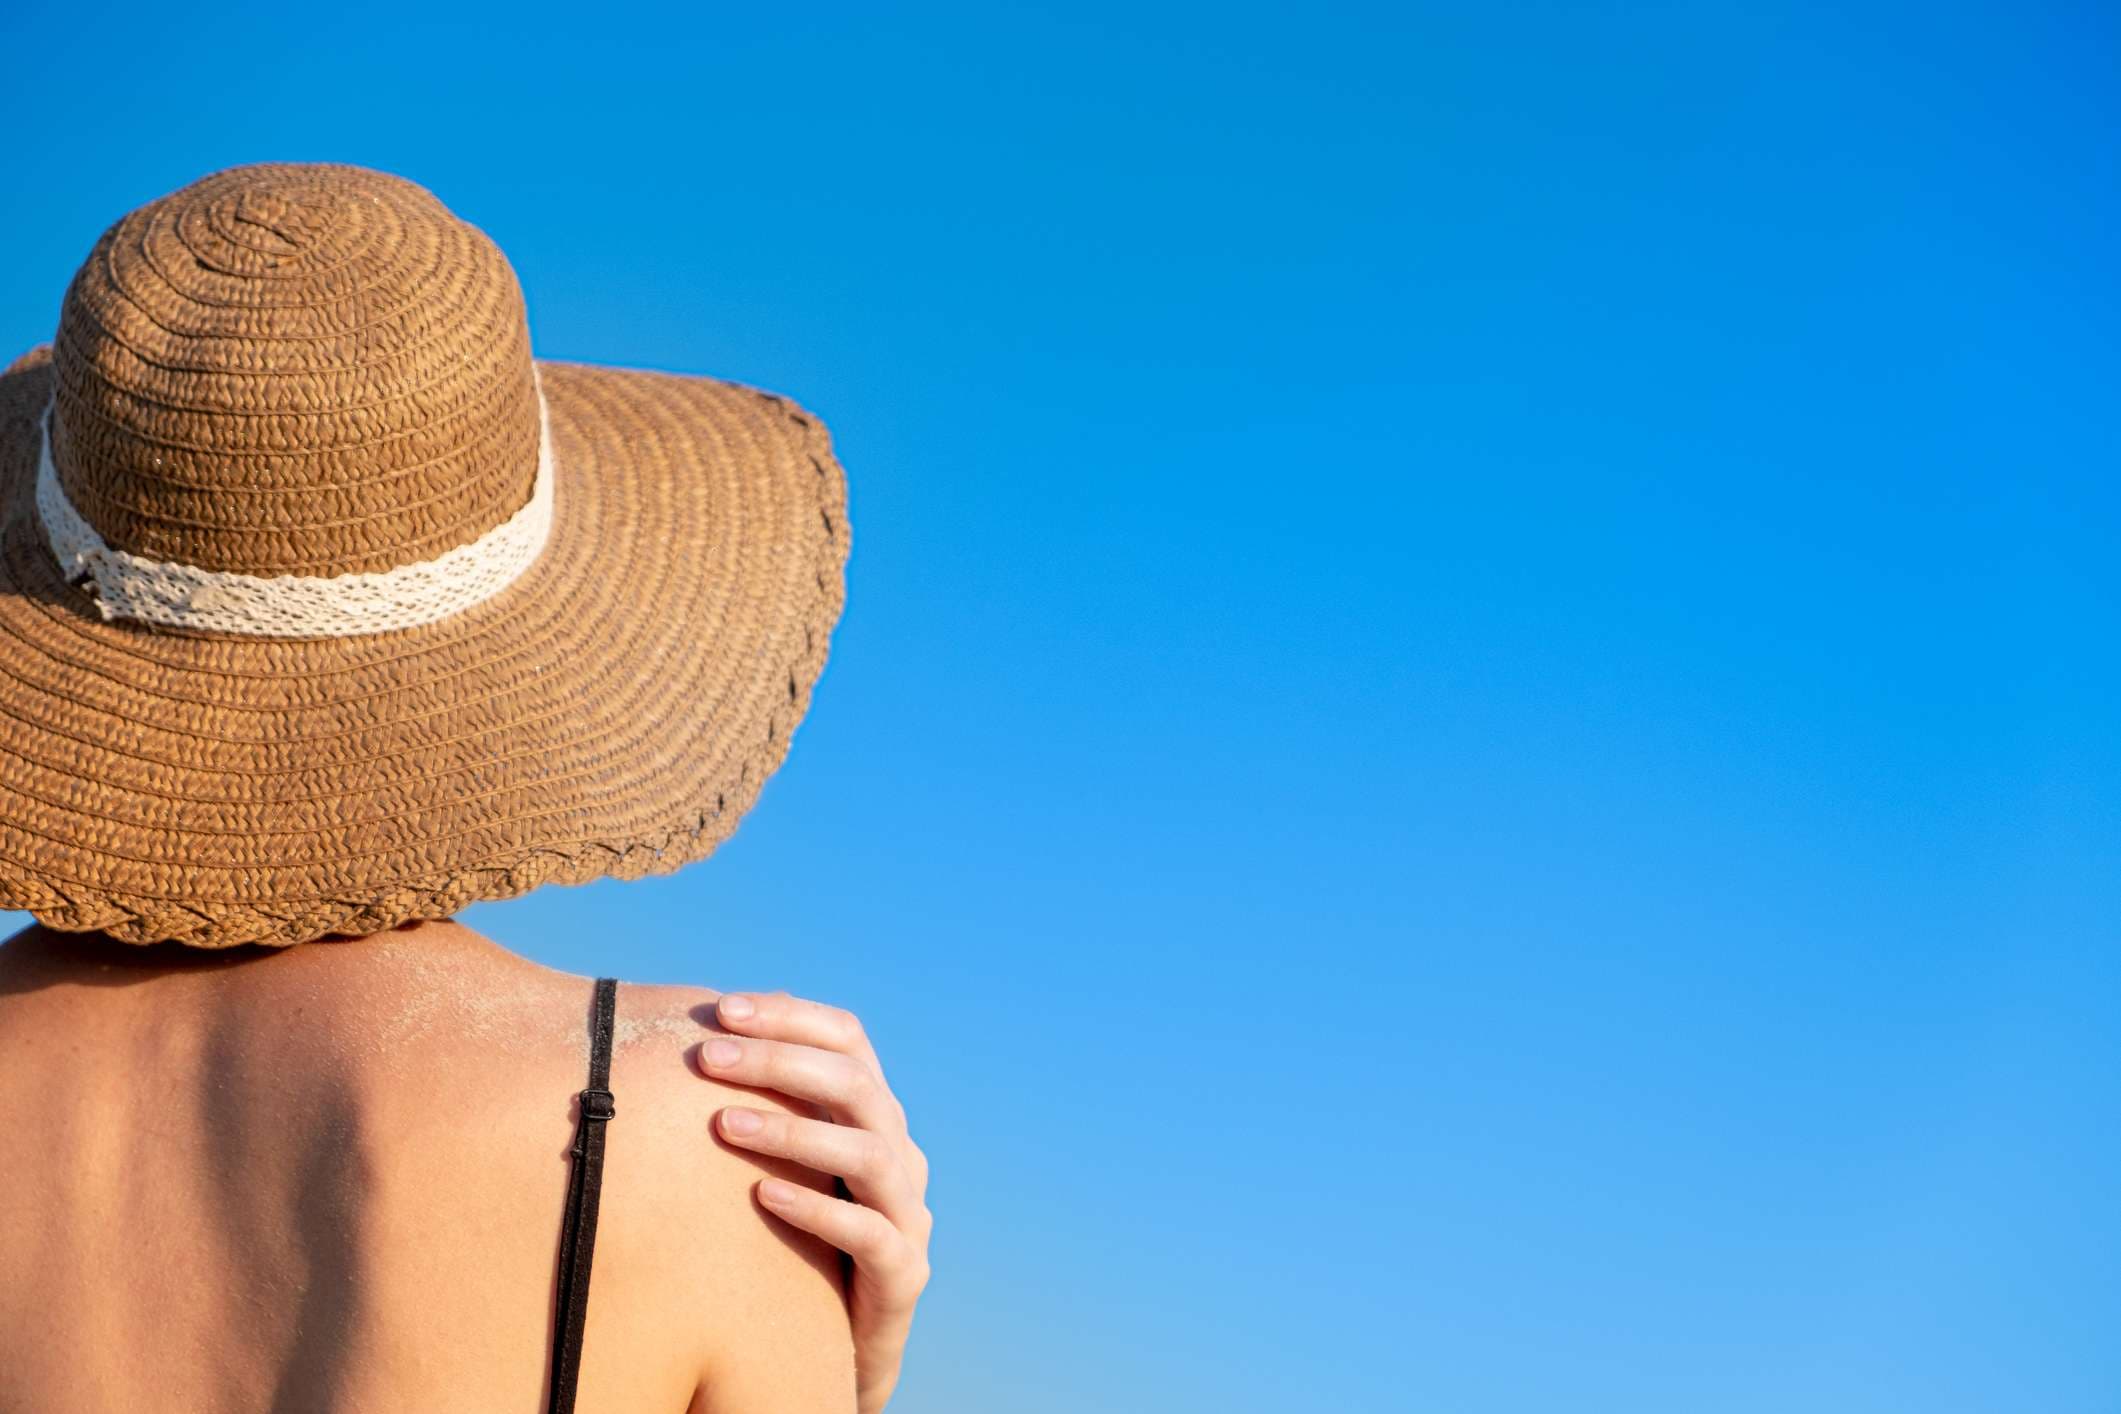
762 1303
661 1087
687 1261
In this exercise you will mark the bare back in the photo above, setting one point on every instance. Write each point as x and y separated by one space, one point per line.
332 1178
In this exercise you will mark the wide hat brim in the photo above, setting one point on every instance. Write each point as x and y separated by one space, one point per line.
614 712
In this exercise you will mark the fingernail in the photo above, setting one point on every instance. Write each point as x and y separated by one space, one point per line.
779 1194
723 1053
737 1008
741 1121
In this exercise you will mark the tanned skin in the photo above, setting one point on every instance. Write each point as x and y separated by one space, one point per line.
331 1177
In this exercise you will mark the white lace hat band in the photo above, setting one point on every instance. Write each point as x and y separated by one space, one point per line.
130 586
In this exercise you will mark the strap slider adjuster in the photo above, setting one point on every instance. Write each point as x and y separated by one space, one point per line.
598 1104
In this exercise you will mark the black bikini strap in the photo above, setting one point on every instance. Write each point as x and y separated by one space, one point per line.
578 1238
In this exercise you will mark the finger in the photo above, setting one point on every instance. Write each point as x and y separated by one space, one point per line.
849 1090
780 1017
916 1162
864 1234
868 1162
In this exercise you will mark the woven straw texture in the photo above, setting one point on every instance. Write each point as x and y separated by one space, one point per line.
317 370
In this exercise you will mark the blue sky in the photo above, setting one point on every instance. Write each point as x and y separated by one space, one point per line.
1472 762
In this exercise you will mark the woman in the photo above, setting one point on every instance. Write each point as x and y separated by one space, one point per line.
331 1176
324 610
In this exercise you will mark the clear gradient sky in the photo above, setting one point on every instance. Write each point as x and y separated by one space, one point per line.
1472 765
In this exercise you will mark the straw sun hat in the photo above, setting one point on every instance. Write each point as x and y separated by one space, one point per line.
324 605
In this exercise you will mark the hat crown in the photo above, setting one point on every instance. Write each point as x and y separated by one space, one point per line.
294 369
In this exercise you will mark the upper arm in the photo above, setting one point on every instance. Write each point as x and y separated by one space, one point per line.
759 1304
786 1344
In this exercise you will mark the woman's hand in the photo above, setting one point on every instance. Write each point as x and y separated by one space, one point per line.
820 1053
